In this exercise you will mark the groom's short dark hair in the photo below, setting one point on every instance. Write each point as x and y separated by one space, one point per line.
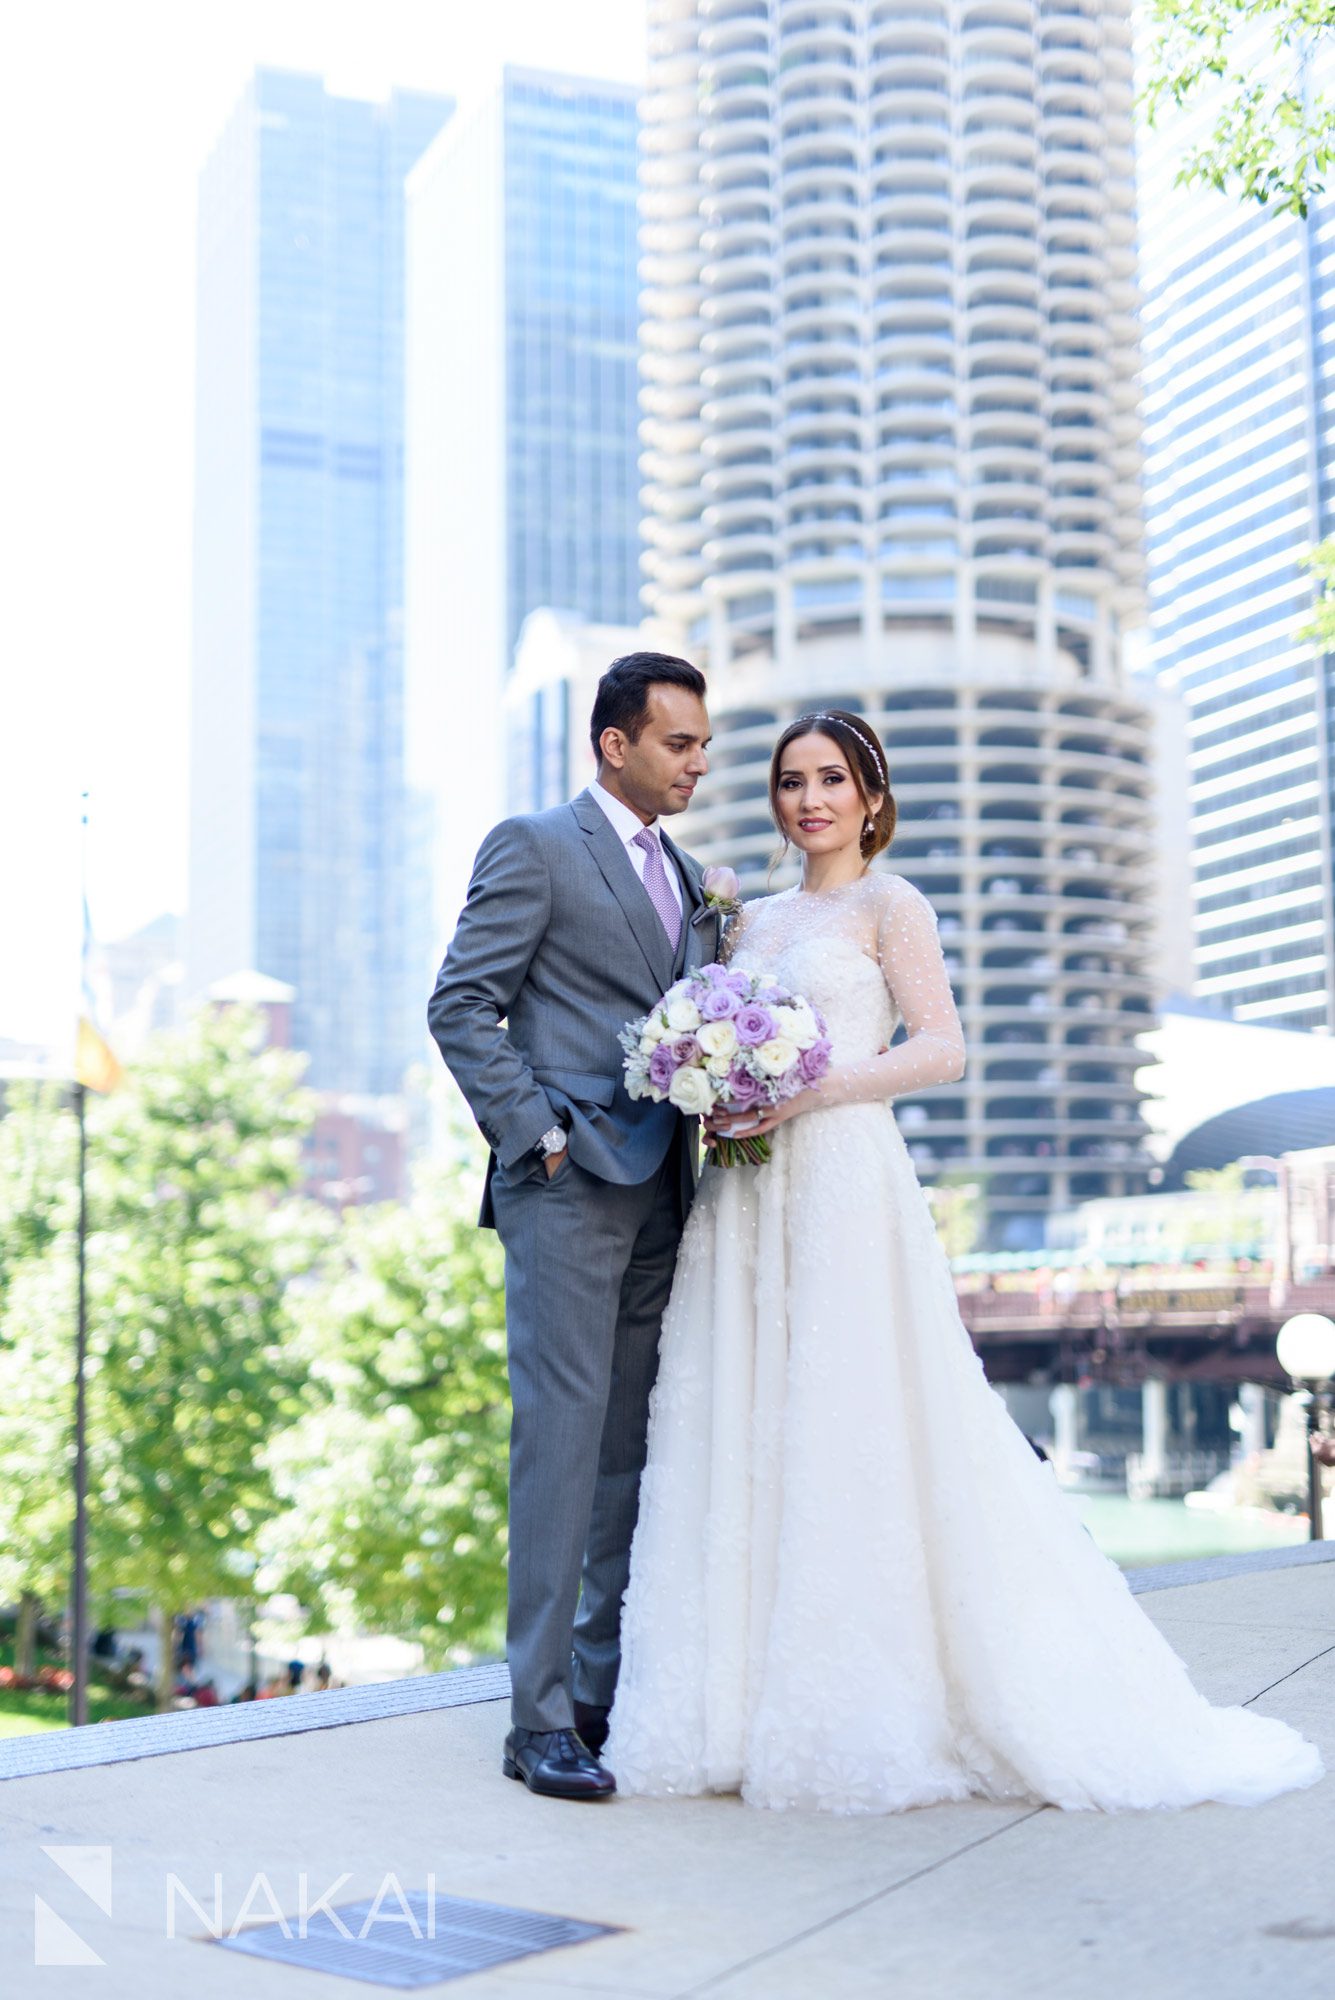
622 700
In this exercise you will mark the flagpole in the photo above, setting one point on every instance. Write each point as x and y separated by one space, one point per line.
79 1580
78 1707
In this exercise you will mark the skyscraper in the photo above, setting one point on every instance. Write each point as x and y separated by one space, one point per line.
891 459
297 785
522 476
1239 450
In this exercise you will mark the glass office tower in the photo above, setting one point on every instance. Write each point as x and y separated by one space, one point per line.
297 783
1239 342
523 479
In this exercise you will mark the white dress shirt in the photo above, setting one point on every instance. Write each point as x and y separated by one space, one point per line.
627 824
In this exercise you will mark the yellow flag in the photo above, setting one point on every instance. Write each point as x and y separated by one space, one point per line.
94 1064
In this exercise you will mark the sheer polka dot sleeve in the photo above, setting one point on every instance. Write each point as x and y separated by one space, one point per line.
908 950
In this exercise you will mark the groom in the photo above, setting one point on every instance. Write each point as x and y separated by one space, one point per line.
577 920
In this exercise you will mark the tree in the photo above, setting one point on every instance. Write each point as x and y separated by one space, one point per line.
38 1154
196 1243
1273 137
956 1202
398 1482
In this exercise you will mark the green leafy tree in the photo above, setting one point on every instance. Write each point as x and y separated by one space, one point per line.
398 1482
38 1155
197 1242
1273 136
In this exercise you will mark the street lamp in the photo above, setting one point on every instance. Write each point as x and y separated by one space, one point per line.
1306 1351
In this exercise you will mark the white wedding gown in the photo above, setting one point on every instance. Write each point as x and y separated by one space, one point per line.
854 1586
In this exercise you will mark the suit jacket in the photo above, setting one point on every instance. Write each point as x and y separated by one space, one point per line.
557 948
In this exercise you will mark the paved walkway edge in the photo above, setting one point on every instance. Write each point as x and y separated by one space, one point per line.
290 1715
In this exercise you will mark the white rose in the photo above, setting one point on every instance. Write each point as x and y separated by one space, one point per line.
691 1091
653 1032
777 1056
805 1031
717 1038
683 1016
787 1022
719 1066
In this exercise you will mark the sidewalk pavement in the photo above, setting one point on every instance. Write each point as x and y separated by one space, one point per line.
958 1902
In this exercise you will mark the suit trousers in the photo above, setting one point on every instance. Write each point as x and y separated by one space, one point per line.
588 1273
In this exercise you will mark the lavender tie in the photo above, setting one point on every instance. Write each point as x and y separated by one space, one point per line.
657 884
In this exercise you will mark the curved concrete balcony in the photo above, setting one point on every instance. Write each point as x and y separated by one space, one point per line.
1073 28
895 129
671 405
743 149
1011 181
891 13
723 482
746 59
740 409
757 550
725 102
1065 263
1073 62
908 176
826 44
1062 94
994 423
907 100
1005 355
755 442
731 373
753 307
1069 164
908 42
906 66
756 513
988 70
793 14
806 236
745 344
747 35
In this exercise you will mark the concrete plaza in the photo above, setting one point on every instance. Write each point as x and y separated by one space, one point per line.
960 1902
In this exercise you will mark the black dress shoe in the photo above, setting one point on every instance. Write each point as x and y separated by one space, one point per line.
557 1763
592 1724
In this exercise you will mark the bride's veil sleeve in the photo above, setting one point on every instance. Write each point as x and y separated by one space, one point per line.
909 951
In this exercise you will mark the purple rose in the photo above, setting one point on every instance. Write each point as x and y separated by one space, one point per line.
662 1066
738 983
813 1063
684 1050
744 1091
718 1003
754 1025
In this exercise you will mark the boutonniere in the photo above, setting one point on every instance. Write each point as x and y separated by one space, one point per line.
722 891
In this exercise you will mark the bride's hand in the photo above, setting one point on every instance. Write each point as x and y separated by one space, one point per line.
765 1117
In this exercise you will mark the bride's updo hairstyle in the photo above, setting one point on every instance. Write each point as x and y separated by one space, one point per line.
864 754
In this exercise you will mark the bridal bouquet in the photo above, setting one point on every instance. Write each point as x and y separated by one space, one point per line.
726 1041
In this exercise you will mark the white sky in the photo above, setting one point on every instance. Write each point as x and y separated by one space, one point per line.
107 112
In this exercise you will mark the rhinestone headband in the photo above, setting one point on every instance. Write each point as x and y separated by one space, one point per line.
839 720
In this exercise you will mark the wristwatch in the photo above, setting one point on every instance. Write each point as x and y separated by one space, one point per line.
552 1142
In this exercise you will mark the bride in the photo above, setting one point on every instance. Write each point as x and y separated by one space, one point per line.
854 1586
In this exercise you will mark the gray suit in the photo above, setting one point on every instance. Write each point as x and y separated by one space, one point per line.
559 940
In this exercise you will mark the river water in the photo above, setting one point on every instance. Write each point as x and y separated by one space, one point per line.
1138 1532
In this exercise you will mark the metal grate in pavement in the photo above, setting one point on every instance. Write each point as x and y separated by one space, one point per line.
421 1940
